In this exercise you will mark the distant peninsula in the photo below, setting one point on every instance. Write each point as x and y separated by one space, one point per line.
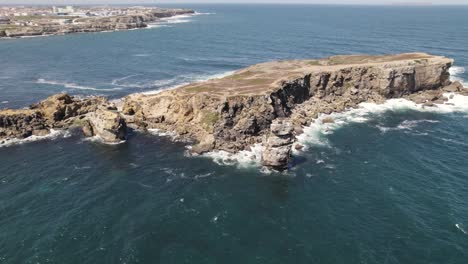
267 104
17 22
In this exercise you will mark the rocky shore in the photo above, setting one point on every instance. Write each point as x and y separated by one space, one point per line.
90 24
268 103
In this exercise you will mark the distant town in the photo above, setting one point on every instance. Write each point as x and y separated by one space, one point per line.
23 21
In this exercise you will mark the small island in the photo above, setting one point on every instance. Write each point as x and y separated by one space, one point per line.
22 21
268 103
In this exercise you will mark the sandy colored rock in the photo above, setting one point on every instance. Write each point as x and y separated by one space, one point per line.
107 125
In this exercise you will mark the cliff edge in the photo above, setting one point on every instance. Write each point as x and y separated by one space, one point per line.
268 103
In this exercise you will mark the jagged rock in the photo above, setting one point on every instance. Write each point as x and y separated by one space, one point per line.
107 125
245 108
277 149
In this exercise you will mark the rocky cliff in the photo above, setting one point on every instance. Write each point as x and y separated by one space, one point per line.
237 111
267 103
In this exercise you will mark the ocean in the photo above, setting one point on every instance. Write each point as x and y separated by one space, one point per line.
385 184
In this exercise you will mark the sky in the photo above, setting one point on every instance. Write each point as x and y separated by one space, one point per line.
366 2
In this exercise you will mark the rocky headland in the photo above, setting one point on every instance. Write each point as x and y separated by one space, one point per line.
268 103
43 26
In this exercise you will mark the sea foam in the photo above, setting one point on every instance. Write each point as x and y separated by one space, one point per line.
54 134
455 72
316 134
74 85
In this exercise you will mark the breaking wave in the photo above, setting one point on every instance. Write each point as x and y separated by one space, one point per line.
54 134
74 85
243 159
316 133
455 72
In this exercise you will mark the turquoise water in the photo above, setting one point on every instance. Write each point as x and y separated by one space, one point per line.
392 189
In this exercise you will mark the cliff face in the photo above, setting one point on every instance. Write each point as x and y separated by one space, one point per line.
267 103
235 112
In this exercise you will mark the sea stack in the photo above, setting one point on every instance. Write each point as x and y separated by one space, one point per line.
278 146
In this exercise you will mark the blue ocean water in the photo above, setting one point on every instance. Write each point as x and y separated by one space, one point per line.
392 189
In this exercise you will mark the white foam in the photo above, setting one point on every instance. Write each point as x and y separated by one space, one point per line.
455 72
316 133
52 135
161 133
405 125
156 25
459 227
243 159
98 139
4 102
177 19
201 14
74 86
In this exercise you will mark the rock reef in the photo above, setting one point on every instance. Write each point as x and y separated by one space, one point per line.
268 103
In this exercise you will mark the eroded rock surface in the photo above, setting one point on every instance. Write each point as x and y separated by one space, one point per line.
249 106
236 111
278 146
96 115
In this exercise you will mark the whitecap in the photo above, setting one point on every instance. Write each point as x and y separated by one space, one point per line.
142 55
460 227
73 85
54 134
4 102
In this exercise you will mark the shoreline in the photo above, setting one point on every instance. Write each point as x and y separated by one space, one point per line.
99 24
267 106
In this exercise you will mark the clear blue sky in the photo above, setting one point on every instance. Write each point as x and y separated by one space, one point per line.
373 2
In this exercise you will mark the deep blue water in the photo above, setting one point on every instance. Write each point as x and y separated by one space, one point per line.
368 196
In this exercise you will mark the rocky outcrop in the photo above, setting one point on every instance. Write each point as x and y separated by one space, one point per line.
93 24
96 115
268 103
235 112
278 146
107 125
